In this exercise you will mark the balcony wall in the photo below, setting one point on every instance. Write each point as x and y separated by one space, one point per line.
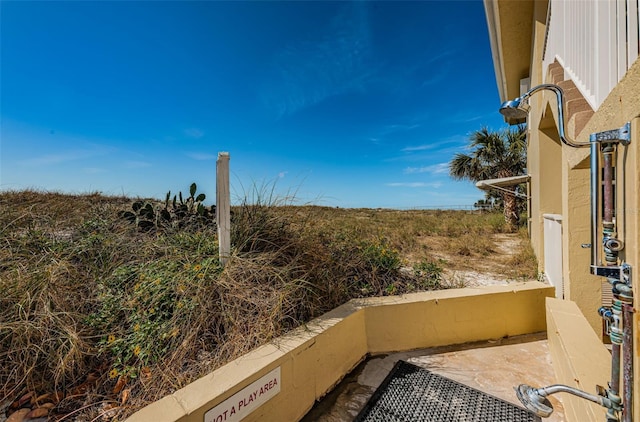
596 42
302 367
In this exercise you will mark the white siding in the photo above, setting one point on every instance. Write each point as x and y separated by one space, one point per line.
596 41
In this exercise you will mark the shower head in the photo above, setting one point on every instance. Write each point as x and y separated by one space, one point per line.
534 400
515 111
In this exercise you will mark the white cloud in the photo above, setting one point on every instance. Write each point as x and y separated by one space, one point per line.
306 73
470 116
282 174
399 128
449 51
194 133
455 141
391 130
64 157
440 168
435 185
436 78
44 160
424 147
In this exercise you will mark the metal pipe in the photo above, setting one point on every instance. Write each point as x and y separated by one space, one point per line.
535 399
518 109
614 384
607 180
560 100
595 196
608 227
625 291
627 362
611 259
559 388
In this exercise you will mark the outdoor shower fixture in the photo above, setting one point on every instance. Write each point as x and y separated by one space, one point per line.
535 399
516 111
620 315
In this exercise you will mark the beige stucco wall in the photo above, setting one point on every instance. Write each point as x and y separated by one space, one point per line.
452 318
628 171
315 357
580 286
544 164
621 106
536 72
566 183
579 359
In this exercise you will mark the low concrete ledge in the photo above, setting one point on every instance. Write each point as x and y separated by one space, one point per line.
579 358
311 360
454 316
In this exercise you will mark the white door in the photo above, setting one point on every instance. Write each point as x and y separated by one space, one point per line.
553 252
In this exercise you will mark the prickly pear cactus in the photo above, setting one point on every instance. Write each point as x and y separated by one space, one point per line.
177 212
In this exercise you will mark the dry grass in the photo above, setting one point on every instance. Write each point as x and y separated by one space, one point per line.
100 318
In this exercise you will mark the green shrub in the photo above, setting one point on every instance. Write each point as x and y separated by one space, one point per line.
380 255
143 308
429 274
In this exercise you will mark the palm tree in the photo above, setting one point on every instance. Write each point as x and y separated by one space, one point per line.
494 155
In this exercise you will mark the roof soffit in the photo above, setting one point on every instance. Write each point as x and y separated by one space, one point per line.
514 28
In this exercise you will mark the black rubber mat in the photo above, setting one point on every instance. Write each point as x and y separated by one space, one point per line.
410 393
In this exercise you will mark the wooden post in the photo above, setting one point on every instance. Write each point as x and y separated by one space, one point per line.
223 207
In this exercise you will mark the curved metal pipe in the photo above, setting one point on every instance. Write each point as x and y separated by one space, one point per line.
535 399
517 109
560 388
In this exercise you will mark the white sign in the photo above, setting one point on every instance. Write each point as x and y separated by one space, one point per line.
245 401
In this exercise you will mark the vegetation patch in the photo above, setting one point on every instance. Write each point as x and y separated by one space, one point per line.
101 315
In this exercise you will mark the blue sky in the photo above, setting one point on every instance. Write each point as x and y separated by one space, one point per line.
350 104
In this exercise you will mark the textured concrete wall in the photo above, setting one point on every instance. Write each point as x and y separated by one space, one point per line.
566 182
317 356
579 358
621 105
453 318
